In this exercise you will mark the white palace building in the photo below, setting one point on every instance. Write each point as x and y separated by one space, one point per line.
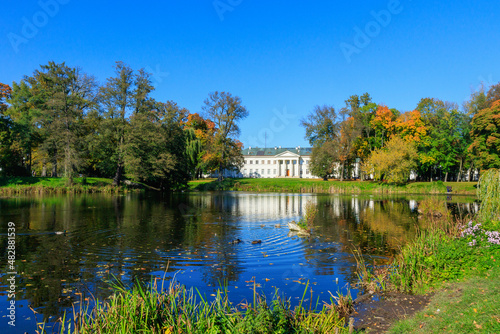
276 162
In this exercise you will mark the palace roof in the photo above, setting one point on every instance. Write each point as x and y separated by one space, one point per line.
259 151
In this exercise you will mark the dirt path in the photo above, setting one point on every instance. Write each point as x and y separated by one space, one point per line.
377 313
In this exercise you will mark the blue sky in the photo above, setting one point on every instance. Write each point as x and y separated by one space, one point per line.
281 57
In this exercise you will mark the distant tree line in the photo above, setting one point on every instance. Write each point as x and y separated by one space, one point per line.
437 140
60 121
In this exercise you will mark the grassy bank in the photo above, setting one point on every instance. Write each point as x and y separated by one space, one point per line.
41 185
332 186
457 259
468 306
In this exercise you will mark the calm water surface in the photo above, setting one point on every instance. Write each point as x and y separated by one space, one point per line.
189 237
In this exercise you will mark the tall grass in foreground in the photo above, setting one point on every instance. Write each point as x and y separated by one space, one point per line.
178 310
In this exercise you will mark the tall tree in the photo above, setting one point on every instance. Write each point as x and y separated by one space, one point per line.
200 136
438 152
485 135
323 161
117 103
493 94
225 111
322 131
349 132
332 139
26 103
60 95
321 125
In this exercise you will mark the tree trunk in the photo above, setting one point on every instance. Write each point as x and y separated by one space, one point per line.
44 169
31 161
118 175
459 176
446 177
54 169
342 172
54 165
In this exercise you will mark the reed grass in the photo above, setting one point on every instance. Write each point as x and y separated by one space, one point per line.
175 309
332 186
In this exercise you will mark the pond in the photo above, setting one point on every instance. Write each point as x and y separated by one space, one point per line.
68 247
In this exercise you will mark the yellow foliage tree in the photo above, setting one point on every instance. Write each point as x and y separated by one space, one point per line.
394 162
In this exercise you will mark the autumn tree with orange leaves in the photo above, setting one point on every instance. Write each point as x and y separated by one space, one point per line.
5 92
7 155
200 135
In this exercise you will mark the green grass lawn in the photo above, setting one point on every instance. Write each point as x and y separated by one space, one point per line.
14 185
50 181
469 306
331 186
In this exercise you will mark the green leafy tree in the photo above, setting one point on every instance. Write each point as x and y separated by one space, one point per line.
345 141
124 95
54 100
332 139
26 104
155 147
323 131
439 150
323 161
225 111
